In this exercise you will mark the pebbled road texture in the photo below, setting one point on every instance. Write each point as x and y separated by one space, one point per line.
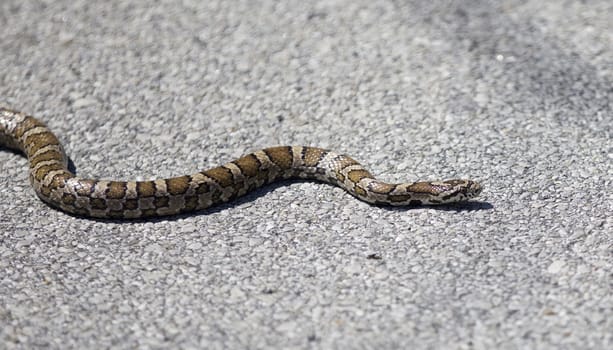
515 94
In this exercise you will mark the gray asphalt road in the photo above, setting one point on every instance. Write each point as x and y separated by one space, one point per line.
515 94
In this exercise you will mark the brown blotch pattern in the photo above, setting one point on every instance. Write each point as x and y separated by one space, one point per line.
360 191
400 197
223 176
160 202
50 154
215 195
178 185
249 165
38 141
421 187
344 161
145 188
381 188
41 172
191 203
97 203
281 156
203 188
27 125
116 190
356 175
130 204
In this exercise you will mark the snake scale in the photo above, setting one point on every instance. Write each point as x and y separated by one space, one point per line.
63 190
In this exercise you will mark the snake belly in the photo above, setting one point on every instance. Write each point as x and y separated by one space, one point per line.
63 190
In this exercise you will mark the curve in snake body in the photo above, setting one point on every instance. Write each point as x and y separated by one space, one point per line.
61 189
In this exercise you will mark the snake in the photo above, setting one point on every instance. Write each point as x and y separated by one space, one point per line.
61 189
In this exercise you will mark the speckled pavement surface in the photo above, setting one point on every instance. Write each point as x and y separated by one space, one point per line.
515 94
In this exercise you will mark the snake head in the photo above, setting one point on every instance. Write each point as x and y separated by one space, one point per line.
457 190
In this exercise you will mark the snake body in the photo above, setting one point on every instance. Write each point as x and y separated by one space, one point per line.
63 190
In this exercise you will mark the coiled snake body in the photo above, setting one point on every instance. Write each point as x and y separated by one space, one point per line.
61 189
